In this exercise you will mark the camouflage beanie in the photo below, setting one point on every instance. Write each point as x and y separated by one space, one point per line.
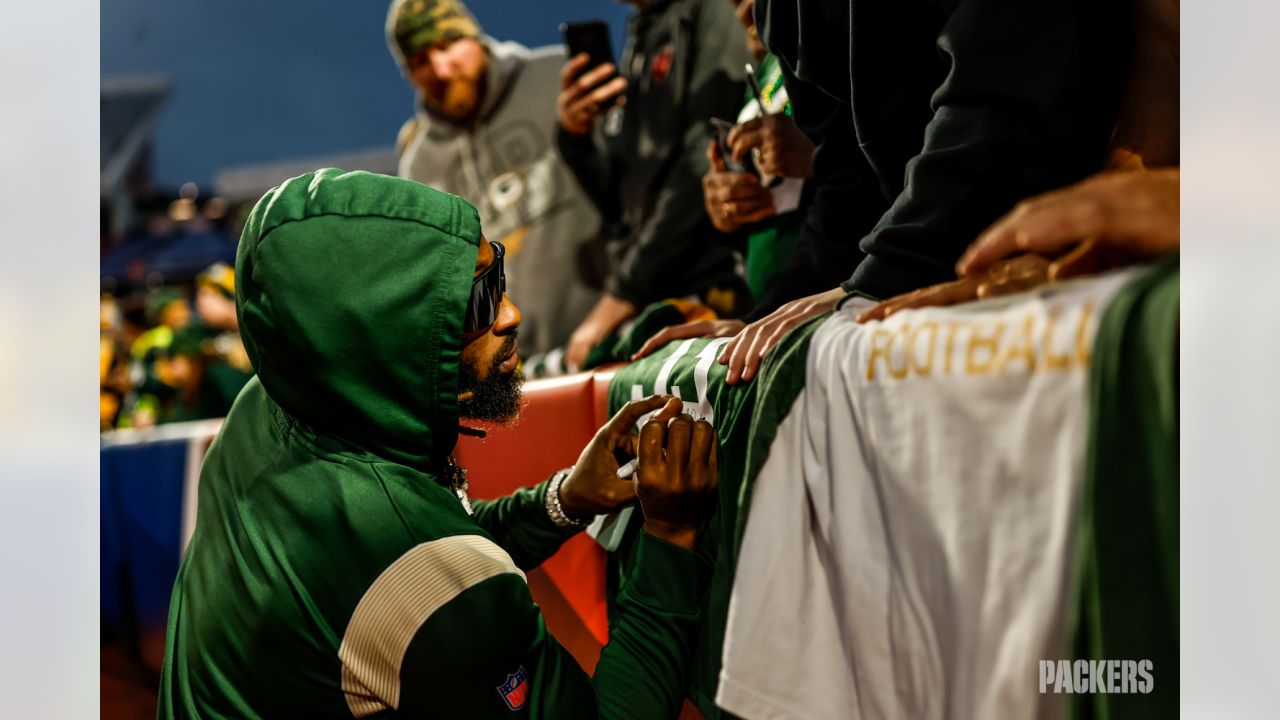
416 24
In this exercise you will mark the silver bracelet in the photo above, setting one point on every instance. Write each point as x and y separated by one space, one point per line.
552 501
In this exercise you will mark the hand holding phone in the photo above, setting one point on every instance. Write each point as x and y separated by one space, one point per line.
590 37
776 145
589 82
733 198
720 129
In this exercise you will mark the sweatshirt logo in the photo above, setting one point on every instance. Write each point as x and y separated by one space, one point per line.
515 691
660 65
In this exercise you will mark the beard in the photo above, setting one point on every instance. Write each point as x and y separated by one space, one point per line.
457 100
495 399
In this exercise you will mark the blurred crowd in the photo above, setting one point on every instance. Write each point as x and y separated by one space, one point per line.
171 354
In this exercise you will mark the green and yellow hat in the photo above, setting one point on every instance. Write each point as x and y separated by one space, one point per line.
161 299
415 24
219 276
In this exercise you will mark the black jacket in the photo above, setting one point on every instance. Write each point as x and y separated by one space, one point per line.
933 118
643 166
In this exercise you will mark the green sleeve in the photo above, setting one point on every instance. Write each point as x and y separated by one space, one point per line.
487 653
519 524
644 670
1127 541
463 655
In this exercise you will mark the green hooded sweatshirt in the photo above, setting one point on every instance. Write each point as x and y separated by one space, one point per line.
333 571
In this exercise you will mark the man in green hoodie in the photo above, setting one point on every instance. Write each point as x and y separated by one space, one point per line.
338 568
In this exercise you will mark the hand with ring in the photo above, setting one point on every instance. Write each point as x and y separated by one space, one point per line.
733 199
776 144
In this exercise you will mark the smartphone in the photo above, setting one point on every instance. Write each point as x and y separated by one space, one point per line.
720 128
592 38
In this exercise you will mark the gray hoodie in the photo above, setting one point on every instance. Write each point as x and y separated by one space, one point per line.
507 166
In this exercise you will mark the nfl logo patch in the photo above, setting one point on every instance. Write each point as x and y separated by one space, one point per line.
516 689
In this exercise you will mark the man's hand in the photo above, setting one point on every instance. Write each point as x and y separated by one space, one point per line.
745 352
675 479
776 144
593 488
733 199
1016 274
700 328
604 318
1102 221
580 101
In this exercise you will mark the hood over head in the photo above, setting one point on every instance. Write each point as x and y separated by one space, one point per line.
351 289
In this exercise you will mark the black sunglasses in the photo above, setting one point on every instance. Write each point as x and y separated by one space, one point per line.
486 294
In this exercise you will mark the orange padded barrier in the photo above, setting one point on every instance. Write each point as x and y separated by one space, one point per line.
559 417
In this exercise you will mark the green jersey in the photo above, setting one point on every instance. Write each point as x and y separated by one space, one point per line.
918 517
1130 382
336 568
1127 556
688 369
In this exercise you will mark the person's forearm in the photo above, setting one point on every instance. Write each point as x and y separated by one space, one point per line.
675 250
590 166
643 671
818 261
966 177
843 203
999 133
519 523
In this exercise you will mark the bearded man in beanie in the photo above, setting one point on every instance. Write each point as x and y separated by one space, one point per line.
338 568
485 130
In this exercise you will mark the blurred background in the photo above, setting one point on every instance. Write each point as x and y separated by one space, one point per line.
203 108
218 89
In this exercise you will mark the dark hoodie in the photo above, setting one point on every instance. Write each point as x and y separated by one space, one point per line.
334 572
684 64
933 118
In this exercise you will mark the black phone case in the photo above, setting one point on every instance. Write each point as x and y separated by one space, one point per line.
720 128
592 38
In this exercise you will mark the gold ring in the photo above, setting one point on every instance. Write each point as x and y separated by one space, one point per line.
724 210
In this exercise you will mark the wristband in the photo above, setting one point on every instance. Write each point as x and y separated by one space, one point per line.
552 501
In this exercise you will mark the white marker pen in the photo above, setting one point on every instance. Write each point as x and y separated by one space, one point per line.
626 471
